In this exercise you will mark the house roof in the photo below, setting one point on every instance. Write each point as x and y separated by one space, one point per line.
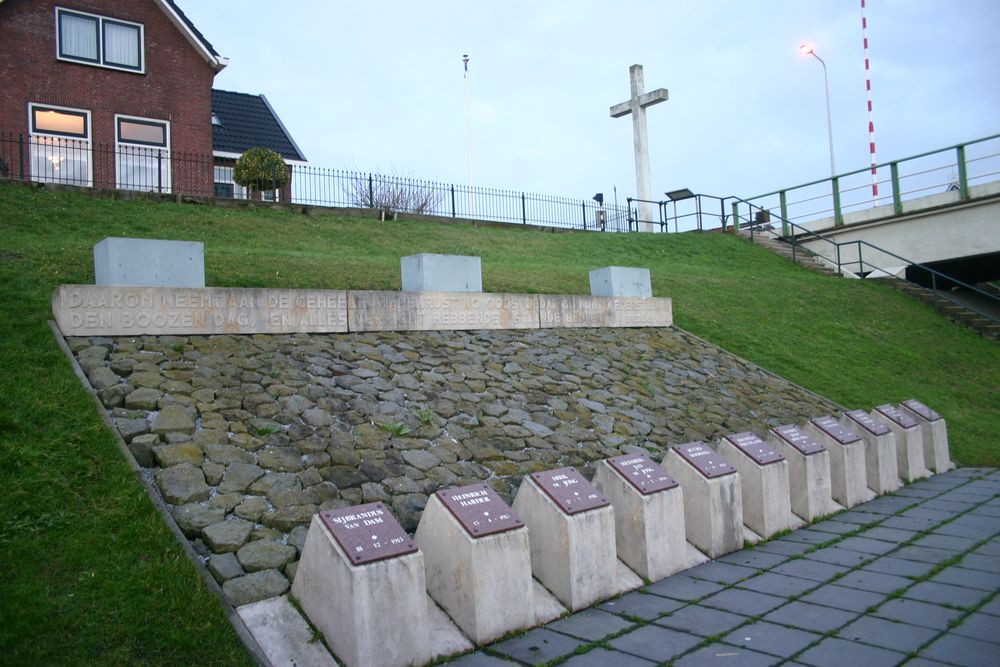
247 121
183 23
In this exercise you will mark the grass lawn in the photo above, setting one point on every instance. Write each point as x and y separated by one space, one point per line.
91 576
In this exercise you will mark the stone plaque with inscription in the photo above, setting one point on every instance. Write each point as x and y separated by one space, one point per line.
115 310
896 416
569 490
758 450
557 311
430 311
641 472
479 509
867 422
704 459
832 428
799 439
922 410
368 533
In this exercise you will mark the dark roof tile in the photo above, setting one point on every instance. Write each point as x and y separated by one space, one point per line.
247 121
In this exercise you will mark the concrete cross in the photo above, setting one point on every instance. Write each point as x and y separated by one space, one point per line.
636 105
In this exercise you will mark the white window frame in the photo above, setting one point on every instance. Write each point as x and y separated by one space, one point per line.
145 151
55 146
101 60
222 173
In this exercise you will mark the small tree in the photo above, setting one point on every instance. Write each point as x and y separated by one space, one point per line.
261 169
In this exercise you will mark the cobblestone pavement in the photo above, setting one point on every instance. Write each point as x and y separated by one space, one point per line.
909 578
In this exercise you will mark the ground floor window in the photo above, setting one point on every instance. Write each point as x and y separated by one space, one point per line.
60 145
143 154
226 187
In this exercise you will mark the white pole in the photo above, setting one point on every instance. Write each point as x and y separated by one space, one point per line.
468 136
829 117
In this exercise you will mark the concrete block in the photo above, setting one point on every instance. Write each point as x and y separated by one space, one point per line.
153 262
573 555
880 450
909 441
764 485
282 634
848 472
544 604
483 583
649 528
713 506
620 281
934 433
372 614
810 492
429 272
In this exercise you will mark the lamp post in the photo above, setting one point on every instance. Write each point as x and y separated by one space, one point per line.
808 50
468 136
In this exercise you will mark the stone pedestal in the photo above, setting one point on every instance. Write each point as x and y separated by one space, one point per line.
713 501
429 272
935 435
620 281
649 515
909 441
374 613
149 262
811 496
880 450
572 540
848 472
764 485
477 561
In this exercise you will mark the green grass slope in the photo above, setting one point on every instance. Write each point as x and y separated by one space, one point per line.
91 576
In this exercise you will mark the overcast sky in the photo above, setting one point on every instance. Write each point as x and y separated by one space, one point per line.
378 85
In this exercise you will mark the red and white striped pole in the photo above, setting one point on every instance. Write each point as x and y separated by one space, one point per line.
871 123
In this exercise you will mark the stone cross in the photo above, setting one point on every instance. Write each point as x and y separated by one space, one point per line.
636 105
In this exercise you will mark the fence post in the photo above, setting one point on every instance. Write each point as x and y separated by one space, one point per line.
524 211
628 217
371 192
159 172
453 201
722 214
583 209
20 156
897 197
838 216
963 174
783 199
736 218
839 271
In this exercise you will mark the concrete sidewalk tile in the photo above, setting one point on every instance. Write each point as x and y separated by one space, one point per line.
754 558
911 492
922 554
810 616
992 607
959 530
836 555
722 654
889 504
947 542
782 585
479 659
919 512
979 626
893 635
898 567
875 582
703 621
987 510
602 657
833 652
991 548
960 576
917 525
987 524
866 545
538 646
809 536
964 651
655 643
924 662
770 638
860 517
740 601
976 561
918 613
808 568
891 535
936 593
642 605
590 624
723 573
834 527
783 547
943 504
841 597
683 587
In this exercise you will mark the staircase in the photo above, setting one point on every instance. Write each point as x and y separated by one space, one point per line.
804 258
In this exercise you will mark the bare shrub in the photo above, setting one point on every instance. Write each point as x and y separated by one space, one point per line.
393 194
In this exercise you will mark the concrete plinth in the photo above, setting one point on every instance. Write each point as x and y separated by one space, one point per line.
764 485
620 281
571 555
811 496
429 272
934 431
909 442
713 507
483 583
371 615
649 529
880 450
848 471
149 262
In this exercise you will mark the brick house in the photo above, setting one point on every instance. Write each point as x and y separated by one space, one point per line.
113 94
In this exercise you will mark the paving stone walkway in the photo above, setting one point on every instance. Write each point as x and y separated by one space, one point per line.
909 578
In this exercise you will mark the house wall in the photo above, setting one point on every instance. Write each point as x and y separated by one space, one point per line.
175 87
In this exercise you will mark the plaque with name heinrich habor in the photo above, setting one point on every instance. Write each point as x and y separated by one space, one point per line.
479 509
762 453
704 459
896 416
867 422
799 439
569 490
641 472
368 533
832 428
922 410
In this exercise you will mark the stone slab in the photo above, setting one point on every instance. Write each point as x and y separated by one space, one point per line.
809 483
432 311
909 441
704 459
479 509
483 583
282 634
621 281
764 484
544 604
445 637
934 430
98 310
367 533
557 311
848 471
430 272
642 473
649 527
880 450
151 262
569 490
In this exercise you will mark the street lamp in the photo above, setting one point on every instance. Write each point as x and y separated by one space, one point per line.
468 135
807 49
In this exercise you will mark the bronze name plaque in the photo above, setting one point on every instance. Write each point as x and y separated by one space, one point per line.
922 410
569 490
799 439
704 459
641 472
896 416
368 533
835 430
867 422
479 509
758 450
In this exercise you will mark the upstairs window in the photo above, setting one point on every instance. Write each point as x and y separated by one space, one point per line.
98 40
